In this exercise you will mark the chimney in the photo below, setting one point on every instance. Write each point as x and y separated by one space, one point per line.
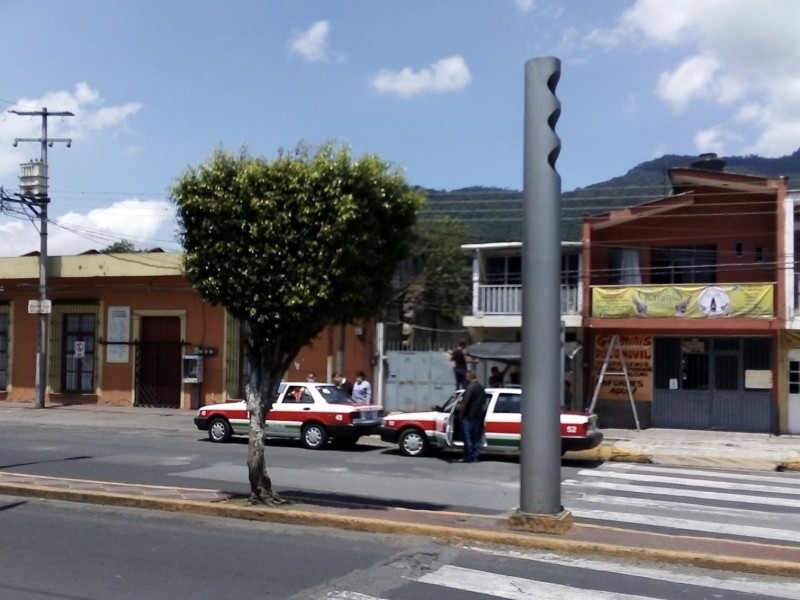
708 161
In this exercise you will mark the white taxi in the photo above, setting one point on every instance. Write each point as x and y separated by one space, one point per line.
314 413
416 432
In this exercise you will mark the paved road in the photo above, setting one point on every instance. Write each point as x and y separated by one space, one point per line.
55 550
709 503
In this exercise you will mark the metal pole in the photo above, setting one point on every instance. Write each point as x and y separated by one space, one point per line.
42 202
540 460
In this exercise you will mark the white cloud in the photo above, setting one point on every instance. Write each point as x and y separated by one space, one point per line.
727 54
312 43
446 75
691 79
524 5
715 139
91 118
146 223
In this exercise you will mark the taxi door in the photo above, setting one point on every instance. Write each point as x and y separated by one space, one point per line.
444 421
503 424
286 418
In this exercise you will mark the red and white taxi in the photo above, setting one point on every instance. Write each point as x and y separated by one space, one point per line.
416 432
311 412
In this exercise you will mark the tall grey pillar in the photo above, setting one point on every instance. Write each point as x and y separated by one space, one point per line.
540 459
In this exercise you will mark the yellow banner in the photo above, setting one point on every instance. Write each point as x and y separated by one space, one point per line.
685 301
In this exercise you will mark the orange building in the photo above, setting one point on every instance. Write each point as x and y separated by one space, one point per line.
120 327
696 292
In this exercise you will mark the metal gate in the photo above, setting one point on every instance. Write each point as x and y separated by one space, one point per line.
701 383
417 380
158 363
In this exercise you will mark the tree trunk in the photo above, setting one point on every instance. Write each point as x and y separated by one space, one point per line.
259 402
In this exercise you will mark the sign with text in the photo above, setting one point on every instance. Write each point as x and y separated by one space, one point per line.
683 301
637 351
119 334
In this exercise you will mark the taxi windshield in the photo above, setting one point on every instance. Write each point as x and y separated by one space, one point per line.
333 395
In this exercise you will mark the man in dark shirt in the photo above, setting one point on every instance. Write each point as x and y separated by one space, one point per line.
471 413
460 358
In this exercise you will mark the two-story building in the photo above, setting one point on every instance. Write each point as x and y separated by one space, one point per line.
696 292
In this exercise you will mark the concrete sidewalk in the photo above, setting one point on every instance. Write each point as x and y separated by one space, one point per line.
675 447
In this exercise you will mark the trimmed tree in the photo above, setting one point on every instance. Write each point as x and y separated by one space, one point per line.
290 246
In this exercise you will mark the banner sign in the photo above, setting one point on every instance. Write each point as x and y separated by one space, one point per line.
684 301
637 351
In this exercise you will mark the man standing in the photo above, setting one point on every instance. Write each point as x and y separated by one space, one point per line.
342 383
460 358
471 413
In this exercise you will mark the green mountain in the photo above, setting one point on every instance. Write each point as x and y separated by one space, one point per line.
495 215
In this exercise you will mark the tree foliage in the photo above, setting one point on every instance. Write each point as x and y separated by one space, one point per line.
439 277
120 247
290 246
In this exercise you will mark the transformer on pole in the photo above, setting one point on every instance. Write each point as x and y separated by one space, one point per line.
34 190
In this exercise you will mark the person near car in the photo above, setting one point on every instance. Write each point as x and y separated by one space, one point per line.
471 414
460 358
497 377
343 383
311 378
362 390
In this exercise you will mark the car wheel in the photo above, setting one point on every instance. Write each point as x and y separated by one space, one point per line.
413 442
314 436
219 430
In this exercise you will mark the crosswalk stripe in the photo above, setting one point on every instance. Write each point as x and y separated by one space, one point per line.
514 588
777 478
350 596
788 590
706 483
690 524
684 493
669 505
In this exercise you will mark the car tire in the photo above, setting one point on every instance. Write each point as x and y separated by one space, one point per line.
314 436
219 430
413 442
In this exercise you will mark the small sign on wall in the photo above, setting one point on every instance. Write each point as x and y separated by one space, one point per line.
758 379
119 334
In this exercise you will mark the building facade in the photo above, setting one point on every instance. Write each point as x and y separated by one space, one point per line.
688 313
120 329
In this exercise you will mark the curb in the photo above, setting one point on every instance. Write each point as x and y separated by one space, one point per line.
447 534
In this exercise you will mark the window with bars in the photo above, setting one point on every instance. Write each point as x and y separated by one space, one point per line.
78 350
3 350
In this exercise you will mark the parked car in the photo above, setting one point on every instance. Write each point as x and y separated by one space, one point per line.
417 432
314 413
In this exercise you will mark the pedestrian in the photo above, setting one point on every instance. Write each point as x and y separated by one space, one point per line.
311 378
471 411
343 383
362 390
567 394
460 357
497 377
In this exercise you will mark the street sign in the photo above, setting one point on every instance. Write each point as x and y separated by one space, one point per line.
43 307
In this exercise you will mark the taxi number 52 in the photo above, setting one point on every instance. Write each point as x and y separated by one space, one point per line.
572 429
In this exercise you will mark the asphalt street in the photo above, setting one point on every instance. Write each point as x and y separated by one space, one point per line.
69 551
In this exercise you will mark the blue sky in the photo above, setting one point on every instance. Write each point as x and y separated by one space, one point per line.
436 87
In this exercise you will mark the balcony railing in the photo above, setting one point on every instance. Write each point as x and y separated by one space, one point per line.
507 300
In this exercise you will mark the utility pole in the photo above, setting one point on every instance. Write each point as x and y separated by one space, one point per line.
41 200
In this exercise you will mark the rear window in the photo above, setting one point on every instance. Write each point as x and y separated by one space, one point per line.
333 395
